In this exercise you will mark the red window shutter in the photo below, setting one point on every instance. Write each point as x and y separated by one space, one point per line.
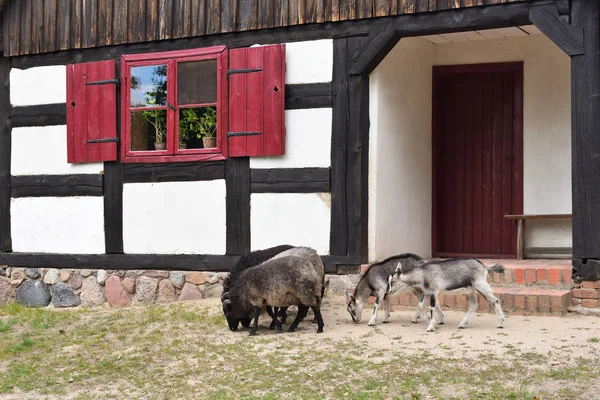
92 112
257 101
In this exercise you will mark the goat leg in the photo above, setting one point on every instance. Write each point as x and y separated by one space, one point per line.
432 303
255 327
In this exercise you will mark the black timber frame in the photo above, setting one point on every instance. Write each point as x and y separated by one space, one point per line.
358 47
5 156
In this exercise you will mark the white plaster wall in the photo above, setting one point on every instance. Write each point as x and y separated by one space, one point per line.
58 224
43 150
546 129
309 61
307 141
174 217
400 151
39 85
300 219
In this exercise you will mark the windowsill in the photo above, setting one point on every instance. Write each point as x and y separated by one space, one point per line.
174 158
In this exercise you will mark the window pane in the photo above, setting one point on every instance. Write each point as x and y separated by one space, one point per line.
197 82
149 86
148 130
197 127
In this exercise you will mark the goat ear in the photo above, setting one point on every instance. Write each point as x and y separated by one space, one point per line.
398 268
351 296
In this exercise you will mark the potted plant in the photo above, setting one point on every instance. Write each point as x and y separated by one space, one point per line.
156 118
208 127
189 124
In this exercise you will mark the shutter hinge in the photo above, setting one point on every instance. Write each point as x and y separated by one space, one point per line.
105 82
108 140
230 134
243 71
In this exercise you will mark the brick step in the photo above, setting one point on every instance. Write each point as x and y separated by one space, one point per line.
516 301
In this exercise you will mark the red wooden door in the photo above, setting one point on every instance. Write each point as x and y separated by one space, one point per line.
477 159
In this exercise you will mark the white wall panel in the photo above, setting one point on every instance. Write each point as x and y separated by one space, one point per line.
43 150
58 224
309 62
174 217
39 85
300 219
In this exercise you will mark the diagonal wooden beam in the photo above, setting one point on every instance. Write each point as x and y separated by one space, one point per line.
567 37
378 44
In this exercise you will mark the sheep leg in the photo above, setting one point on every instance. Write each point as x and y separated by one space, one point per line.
283 314
432 321
273 314
255 327
317 310
302 310
472 307
486 291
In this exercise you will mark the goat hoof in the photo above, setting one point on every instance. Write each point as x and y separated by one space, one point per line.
385 322
414 321
441 323
430 330
461 327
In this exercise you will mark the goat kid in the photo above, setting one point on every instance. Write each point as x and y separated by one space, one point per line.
374 282
280 282
435 276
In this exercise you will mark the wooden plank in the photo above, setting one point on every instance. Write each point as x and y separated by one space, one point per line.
487 110
273 138
89 28
187 14
285 13
477 165
290 180
308 95
228 15
293 18
173 172
39 115
539 216
238 102
5 155
265 14
237 183
213 13
508 158
277 12
497 163
383 8
25 28
302 11
567 37
335 10
56 185
199 18
105 16
63 23
248 14
135 21
165 20
255 102
365 9
520 238
38 36
469 187
113 207
459 169
152 20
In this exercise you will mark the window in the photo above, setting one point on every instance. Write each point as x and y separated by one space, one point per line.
174 105
190 105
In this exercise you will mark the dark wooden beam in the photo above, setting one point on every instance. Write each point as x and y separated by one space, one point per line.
378 44
568 38
349 155
113 207
452 20
174 172
297 96
39 115
237 182
290 180
57 185
5 149
308 95
164 262
585 133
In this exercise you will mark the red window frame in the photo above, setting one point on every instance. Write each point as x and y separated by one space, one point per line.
172 152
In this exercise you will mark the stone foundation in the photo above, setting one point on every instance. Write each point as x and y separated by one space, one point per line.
41 287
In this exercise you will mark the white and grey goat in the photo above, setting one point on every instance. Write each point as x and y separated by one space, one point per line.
435 276
279 282
374 282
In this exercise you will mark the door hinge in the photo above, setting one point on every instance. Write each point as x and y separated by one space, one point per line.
105 82
243 71
230 134
108 140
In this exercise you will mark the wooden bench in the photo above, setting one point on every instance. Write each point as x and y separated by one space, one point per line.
521 227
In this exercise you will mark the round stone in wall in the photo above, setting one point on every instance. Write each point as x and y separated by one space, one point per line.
32 273
33 294
177 279
101 275
64 296
51 276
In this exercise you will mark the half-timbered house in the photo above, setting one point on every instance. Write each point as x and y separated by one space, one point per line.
359 128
